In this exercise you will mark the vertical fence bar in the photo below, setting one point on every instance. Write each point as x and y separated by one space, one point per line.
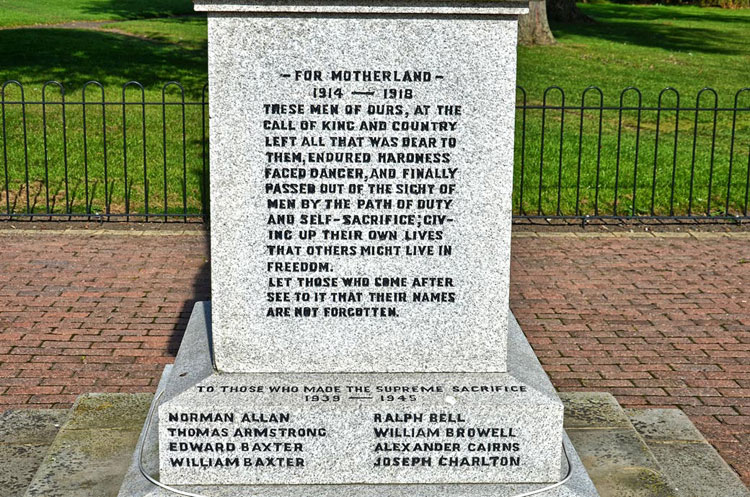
125 155
560 158
85 152
104 148
731 147
104 153
125 145
637 151
617 161
184 147
145 163
541 151
656 145
523 151
44 137
164 143
44 142
619 141
674 153
204 176
656 152
713 150
65 154
580 150
184 155
5 146
25 148
692 163
580 143
541 155
599 153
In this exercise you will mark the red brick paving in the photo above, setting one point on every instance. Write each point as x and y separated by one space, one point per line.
92 312
658 321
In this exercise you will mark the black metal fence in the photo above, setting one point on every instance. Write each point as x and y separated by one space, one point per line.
141 154
94 157
669 161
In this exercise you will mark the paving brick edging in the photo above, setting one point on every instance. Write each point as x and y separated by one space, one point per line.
657 319
165 230
158 231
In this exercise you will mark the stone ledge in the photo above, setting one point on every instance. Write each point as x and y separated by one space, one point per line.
669 434
91 451
687 460
25 436
426 7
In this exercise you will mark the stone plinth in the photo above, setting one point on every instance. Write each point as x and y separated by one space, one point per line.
361 176
532 415
288 428
359 339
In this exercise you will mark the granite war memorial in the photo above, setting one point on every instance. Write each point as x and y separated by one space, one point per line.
358 340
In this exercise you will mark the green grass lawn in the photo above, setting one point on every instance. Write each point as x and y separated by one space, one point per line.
76 172
31 12
187 33
650 47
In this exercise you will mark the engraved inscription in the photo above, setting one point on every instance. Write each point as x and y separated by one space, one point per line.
366 170
397 432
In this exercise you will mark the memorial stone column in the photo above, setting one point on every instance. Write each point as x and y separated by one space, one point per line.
359 340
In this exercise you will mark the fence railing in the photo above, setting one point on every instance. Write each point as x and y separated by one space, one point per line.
142 154
630 160
132 158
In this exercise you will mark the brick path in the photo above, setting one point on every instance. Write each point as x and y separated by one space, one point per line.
662 321
92 313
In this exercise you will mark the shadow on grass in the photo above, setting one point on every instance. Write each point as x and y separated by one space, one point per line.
138 9
189 32
658 28
74 57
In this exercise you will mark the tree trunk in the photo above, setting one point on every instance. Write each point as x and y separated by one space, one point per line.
565 11
533 28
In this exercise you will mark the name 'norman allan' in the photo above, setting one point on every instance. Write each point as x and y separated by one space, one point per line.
229 417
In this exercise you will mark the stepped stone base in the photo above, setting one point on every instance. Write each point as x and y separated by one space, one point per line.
25 436
635 453
688 461
93 448
645 452
538 408
627 453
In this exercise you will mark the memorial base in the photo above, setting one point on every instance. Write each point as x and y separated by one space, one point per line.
358 434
